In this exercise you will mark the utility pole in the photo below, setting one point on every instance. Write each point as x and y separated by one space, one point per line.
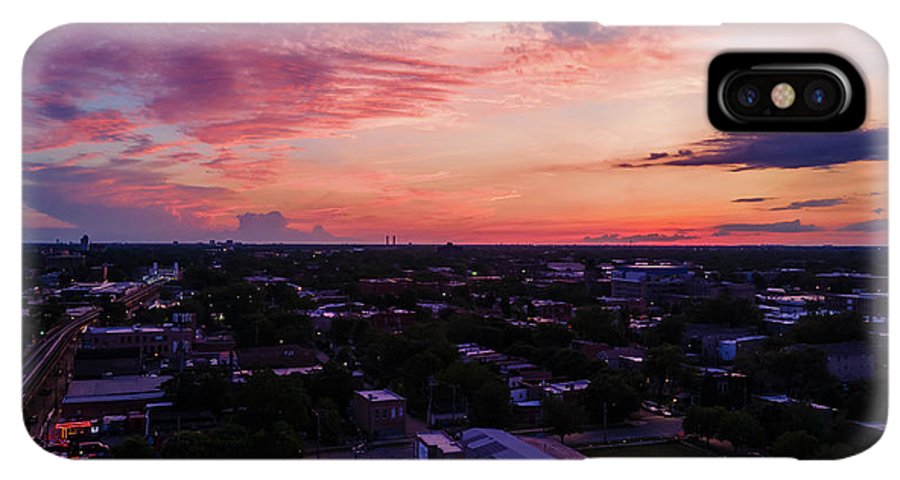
318 431
605 425
431 384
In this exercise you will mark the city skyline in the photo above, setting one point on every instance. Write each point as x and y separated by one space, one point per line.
474 134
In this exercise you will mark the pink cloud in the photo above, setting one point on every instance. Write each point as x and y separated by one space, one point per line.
102 126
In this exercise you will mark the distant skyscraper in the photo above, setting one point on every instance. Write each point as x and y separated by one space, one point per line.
85 243
394 240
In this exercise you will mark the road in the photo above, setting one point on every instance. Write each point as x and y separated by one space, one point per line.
45 368
41 359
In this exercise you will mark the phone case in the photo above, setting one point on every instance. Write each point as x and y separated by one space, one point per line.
467 241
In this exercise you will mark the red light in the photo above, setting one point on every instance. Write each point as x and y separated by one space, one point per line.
81 424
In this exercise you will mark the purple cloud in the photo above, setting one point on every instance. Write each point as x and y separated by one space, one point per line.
794 226
877 225
779 150
820 203
273 227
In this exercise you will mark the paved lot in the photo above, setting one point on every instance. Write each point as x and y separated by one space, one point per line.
648 427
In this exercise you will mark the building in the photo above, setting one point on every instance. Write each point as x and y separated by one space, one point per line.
187 319
554 448
379 413
730 348
870 305
702 339
280 356
554 310
781 405
849 361
649 282
489 443
153 341
837 282
133 295
718 387
570 391
432 445
93 399
85 243
102 362
608 354
385 286
391 320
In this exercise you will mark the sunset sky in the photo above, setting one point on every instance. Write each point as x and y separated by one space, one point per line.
471 133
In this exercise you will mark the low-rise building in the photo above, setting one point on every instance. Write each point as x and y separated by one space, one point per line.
163 341
489 443
92 399
279 356
730 348
433 445
379 413
849 361
554 310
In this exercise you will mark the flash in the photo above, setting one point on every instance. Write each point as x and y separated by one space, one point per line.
783 95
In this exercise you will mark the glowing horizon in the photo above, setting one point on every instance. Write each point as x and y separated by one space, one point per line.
471 134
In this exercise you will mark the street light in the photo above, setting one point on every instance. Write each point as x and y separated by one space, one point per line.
318 431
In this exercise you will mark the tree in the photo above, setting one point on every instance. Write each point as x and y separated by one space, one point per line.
490 406
800 372
551 335
269 398
615 392
670 330
328 426
796 444
663 364
334 382
600 325
726 310
742 430
186 444
704 421
278 441
112 313
468 376
843 327
563 417
199 389
569 363
133 446
230 441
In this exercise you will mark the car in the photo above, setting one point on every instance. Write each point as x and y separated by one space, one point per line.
92 450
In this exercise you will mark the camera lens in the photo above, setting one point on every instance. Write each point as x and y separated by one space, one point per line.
748 96
820 95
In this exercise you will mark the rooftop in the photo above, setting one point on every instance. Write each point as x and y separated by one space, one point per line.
440 440
280 356
128 387
491 443
561 387
134 329
379 395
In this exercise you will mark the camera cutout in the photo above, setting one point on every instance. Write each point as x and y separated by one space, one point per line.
811 92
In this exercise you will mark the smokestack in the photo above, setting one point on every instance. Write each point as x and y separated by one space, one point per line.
394 239
387 240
